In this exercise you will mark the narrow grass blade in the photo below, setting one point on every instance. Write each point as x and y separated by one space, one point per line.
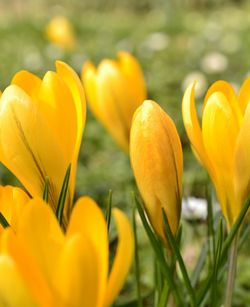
3 221
137 263
179 258
199 265
226 246
166 270
164 296
216 263
46 190
210 223
62 197
109 209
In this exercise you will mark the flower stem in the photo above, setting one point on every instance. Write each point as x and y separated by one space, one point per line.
231 272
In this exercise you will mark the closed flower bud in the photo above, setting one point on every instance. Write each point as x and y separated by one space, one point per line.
157 162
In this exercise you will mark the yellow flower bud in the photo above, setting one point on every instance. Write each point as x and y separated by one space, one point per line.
41 126
157 162
114 90
47 268
222 142
60 32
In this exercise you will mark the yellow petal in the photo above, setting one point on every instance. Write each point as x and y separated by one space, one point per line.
123 257
134 75
77 273
27 268
114 101
192 125
57 105
156 157
220 128
12 204
74 84
223 87
28 82
242 162
28 147
88 220
89 81
13 291
60 32
244 95
42 235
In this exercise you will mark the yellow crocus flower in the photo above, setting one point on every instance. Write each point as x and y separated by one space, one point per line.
114 90
157 161
12 202
41 126
221 143
42 266
60 32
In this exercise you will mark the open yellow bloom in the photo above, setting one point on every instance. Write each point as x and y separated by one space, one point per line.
41 126
222 144
42 266
114 91
12 202
157 161
60 32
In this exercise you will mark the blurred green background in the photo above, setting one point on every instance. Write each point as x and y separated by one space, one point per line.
174 41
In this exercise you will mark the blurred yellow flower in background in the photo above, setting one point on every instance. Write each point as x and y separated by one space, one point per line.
12 202
222 143
41 127
42 266
59 31
114 90
157 161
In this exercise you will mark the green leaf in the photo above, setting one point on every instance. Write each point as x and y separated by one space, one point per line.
164 295
156 244
3 221
216 263
225 247
179 258
137 263
109 209
62 197
46 190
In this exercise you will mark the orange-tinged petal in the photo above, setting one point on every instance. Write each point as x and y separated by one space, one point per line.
23 135
29 82
123 257
42 235
27 268
244 95
88 220
12 204
133 73
77 276
156 157
220 128
13 291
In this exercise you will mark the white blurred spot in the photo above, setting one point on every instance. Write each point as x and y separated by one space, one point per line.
214 62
